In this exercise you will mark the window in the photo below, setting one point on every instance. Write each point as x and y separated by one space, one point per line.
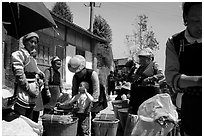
43 56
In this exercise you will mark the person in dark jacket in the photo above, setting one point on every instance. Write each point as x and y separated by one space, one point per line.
111 83
183 69
145 82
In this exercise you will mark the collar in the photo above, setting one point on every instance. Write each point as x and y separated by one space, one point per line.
191 39
25 51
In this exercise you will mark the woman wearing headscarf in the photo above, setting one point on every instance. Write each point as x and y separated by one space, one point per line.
26 74
52 84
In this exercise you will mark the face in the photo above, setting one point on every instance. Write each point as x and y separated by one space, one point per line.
82 87
31 44
57 64
144 60
194 21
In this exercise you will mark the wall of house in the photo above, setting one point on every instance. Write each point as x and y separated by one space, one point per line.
51 44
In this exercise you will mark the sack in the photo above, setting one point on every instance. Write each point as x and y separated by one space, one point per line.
102 101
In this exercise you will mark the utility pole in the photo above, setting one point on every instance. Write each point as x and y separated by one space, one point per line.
91 5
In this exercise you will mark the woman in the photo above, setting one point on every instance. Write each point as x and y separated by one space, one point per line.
26 71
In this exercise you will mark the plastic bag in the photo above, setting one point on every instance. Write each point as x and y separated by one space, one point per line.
155 114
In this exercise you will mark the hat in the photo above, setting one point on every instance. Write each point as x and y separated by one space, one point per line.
146 52
55 58
32 34
76 63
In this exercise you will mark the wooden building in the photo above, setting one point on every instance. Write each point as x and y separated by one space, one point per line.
65 41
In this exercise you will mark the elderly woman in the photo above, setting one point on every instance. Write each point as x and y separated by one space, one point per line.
26 71
145 81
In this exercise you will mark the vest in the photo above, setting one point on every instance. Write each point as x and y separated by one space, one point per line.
86 76
54 77
190 55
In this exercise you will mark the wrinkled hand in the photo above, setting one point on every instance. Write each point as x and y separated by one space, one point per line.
151 133
148 80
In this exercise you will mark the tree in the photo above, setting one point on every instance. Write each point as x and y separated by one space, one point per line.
62 9
143 36
104 53
102 29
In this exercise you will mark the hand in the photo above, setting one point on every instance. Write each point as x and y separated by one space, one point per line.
151 133
148 80
46 96
58 104
41 75
33 90
12 100
48 93
63 97
32 93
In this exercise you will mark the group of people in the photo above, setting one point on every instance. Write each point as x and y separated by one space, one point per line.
36 90
183 75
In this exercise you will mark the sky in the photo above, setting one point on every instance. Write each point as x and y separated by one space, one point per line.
165 18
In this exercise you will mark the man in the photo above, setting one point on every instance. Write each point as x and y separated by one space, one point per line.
183 67
145 80
26 71
77 65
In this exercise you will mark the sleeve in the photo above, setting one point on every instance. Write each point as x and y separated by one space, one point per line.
90 98
75 86
18 70
96 87
172 66
46 79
